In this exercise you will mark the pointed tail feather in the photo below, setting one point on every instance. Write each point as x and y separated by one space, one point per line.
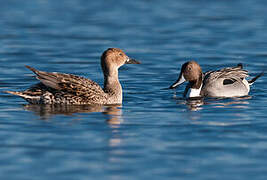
32 69
255 78
240 65
14 93
31 99
21 94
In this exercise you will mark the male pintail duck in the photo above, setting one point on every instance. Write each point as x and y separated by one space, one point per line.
227 82
59 88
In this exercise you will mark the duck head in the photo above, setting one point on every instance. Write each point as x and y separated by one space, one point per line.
191 71
113 58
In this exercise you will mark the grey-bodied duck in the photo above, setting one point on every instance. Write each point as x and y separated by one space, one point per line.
226 82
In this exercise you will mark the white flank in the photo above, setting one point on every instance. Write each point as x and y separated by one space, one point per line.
245 82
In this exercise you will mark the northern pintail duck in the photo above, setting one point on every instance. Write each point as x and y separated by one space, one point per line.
226 82
59 88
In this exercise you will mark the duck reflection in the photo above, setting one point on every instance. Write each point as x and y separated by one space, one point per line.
196 103
236 102
114 112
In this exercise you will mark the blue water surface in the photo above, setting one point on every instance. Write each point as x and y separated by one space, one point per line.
155 133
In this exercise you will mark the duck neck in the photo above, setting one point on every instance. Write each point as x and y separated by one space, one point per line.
113 87
195 87
195 92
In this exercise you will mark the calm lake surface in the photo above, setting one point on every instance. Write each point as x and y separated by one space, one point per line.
155 133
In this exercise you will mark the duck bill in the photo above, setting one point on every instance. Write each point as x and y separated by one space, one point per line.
180 80
132 61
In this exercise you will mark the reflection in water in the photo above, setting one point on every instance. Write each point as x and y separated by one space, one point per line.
239 102
115 114
196 103
46 111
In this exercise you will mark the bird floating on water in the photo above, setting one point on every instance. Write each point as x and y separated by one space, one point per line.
226 82
60 88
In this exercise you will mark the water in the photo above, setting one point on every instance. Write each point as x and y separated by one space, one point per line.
155 133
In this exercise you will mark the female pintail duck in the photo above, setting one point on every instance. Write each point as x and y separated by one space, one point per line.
59 88
227 82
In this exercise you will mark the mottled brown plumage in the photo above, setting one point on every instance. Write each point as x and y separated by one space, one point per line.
60 88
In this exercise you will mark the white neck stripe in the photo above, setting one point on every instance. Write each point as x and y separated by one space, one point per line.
194 92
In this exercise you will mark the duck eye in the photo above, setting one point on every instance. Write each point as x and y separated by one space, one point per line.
120 54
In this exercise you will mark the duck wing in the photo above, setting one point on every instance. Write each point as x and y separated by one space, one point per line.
68 83
229 74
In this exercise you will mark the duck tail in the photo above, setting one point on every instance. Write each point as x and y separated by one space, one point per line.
30 99
255 78
14 93
240 65
32 69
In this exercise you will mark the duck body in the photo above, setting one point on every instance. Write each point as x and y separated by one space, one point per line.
226 82
70 89
60 88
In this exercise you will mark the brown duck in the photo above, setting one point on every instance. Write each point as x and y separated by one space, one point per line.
60 88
